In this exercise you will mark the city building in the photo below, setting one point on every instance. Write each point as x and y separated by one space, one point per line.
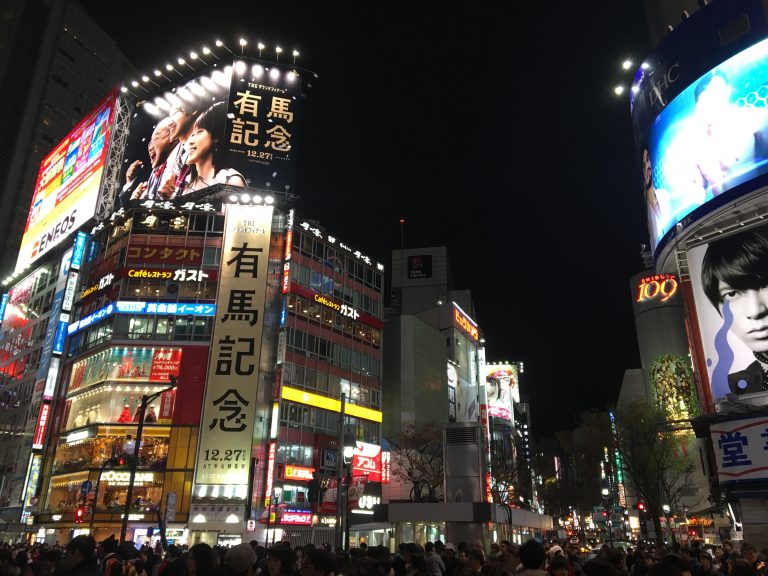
55 66
711 238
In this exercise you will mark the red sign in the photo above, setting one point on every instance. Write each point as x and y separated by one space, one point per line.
296 518
366 461
42 426
386 473
298 473
465 323
167 400
164 364
659 287
270 472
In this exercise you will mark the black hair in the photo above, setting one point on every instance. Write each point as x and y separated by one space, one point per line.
285 555
741 261
212 121
323 561
532 555
705 82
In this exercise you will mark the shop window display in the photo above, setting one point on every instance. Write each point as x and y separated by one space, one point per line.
93 452
110 404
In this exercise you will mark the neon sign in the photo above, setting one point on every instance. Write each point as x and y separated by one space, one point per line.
659 287
298 473
467 325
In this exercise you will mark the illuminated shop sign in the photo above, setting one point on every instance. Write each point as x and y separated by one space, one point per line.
333 240
462 321
78 436
317 401
30 484
42 426
298 473
367 460
130 307
296 518
342 308
179 275
270 472
90 319
3 304
116 478
104 282
77 254
69 292
50 381
61 334
659 287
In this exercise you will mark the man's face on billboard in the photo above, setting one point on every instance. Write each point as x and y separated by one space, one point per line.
647 169
750 315
161 143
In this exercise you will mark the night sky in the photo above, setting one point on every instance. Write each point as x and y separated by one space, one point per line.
494 131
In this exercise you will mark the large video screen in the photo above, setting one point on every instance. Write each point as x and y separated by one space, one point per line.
710 139
234 125
730 289
501 386
68 183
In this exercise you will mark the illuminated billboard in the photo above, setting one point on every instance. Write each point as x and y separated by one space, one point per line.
68 183
234 125
729 278
709 140
502 388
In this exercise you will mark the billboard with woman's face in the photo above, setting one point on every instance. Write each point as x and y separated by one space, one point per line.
730 288
233 125
501 387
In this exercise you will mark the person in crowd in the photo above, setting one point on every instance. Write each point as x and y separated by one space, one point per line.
279 561
532 558
558 566
434 563
81 560
240 560
202 560
449 559
318 563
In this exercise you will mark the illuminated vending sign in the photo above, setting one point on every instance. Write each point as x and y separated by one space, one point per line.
270 472
659 287
67 189
298 473
69 292
229 407
61 334
462 321
79 250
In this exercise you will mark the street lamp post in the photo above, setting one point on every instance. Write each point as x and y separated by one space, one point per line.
134 459
605 492
667 511
344 452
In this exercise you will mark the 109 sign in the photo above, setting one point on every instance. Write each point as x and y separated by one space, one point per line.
657 287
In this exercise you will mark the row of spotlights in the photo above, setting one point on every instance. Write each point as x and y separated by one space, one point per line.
16 274
251 199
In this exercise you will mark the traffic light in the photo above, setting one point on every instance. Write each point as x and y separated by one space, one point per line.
79 515
121 460
640 506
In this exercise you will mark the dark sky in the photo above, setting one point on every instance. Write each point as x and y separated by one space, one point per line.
492 130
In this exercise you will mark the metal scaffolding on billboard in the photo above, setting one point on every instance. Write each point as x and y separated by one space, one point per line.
110 186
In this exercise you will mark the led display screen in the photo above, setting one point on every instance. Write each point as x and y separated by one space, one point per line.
501 386
709 140
67 188
234 125
729 278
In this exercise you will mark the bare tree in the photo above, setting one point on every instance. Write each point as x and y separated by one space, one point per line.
417 458
652 459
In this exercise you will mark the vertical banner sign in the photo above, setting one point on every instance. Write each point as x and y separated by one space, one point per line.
30 486
226 429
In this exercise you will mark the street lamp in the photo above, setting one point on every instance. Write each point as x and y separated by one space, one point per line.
134 458
667 515
345 450
605 492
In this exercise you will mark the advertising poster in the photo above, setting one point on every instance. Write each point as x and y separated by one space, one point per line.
711 138
420 266
125 363
730 289
740 451
67 188
501 386
235 125
229 408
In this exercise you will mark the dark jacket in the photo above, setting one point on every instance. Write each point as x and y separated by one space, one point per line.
88 567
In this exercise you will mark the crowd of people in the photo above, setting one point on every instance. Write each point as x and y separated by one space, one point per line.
82 556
